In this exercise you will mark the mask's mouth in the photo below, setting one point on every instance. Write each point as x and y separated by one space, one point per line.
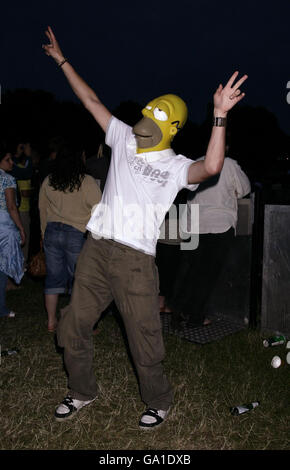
143 136
147 133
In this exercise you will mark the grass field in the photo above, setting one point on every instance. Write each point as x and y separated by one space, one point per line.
208 380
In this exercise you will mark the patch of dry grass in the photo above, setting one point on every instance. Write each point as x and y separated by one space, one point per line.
208 380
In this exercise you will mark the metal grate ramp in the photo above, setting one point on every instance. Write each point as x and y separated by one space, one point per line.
217 329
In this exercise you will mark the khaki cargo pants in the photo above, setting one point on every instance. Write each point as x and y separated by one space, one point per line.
108 270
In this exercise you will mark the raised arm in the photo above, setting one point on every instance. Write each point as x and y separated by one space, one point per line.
224 100
82 90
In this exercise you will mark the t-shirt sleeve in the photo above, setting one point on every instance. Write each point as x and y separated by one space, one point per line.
9 182
182 174
241 181
117 130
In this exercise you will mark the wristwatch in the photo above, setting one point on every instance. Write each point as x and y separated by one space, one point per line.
219 121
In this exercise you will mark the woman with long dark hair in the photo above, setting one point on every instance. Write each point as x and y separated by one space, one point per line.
66 199
11 231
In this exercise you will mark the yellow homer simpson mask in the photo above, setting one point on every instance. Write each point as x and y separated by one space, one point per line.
163 117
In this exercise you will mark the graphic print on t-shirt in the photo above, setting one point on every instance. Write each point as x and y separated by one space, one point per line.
142 168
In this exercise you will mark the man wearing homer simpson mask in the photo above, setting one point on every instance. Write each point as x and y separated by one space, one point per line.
118 259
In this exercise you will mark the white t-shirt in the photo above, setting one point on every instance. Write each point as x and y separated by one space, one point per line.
218 197
139 190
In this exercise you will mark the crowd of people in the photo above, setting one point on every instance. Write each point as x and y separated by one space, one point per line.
185 282
99 223
40 196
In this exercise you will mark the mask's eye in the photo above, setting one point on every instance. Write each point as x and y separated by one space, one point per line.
160 115
148 107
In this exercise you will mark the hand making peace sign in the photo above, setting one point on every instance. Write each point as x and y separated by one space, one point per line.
225 98
52 49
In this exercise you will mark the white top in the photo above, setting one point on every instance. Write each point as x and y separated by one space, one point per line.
139 190
217 198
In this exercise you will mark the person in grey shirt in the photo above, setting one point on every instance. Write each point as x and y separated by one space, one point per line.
217 200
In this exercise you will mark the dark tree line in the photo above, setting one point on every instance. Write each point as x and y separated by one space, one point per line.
253 135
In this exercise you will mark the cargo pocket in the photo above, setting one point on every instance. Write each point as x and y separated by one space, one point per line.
142 276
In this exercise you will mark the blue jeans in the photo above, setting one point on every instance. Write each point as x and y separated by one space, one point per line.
62 246
3 283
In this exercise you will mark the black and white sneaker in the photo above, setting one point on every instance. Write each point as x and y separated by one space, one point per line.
68 407
152 418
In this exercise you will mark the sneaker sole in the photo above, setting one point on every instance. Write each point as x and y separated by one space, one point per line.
66 418
151 428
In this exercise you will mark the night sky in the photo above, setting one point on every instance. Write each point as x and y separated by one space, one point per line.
138 50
